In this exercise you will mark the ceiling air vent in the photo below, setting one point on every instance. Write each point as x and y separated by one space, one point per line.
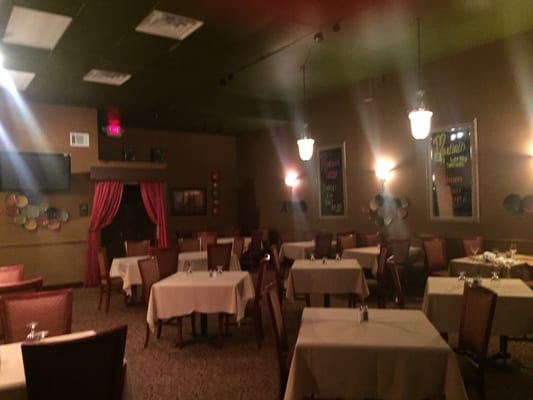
161 23
106 77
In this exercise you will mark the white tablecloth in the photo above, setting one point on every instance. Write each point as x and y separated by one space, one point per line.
443 299
518 266
343 276
296 250
368 256
198 261
127 268
13 379
396 355
182 293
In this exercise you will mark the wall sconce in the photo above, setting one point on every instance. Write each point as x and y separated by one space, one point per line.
383 170
291 179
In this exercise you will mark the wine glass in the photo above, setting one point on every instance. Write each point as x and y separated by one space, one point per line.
494 276
512 249
312 257
462 276
33 334
337 257
220 268
474 249
187 267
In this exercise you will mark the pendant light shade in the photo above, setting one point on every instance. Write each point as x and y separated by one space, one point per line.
420 117
305 148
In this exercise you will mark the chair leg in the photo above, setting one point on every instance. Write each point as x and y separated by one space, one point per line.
180 333
107 299
101 296
159 326
259 327
221 319
308 300
147 335
193 325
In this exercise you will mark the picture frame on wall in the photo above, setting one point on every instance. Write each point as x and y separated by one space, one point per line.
188 202
332 199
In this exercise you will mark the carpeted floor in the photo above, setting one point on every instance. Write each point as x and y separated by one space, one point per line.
239 370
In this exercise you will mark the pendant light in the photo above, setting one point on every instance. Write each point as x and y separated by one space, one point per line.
420 117
306 144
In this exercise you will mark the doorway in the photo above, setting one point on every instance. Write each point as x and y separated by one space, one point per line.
130 223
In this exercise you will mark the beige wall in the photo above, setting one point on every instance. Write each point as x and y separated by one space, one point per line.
492 84
57 256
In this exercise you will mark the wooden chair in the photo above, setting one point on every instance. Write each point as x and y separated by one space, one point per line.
84 369
206 238
253 307
270 296
11 273
323 245
167 260
51 309
135 248
477 315
399 249
107 284
279 273
435 253
399 298
254 252
219 254
473 243
345 241
376 285
150 274
238 246
371 239
188 245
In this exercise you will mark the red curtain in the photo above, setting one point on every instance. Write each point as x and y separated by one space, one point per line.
106 202
153 195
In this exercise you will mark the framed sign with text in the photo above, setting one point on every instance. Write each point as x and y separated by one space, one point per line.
453 173
332 182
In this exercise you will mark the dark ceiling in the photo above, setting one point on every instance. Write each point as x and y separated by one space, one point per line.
241 71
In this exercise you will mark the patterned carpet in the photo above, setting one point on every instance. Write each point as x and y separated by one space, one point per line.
239 370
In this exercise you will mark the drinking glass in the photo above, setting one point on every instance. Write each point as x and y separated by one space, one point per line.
33 334
312 257
462 276
512 249
220 268
187 267
474 249
337 257
494 276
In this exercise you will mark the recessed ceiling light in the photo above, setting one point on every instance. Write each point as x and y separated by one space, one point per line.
33 28
161 23
21 79
106 77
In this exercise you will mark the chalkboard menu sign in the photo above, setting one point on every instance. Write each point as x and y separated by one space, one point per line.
453 173
332 182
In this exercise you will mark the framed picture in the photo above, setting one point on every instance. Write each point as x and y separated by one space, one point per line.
188 202
332 182
453 173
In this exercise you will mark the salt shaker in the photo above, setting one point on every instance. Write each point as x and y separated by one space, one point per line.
363 313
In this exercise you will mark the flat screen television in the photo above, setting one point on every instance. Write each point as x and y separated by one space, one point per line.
34 172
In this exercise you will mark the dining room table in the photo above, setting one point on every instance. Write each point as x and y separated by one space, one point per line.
368 256
127 268
13 378
326 277
197 260
517 266
396 354
296 250
204 292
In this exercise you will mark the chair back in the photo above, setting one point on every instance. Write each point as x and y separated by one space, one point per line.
11 273
238 246
135 248
88 368
270 296
52 309
256 243
167 260
274 256
384 254
206 238
345 241
103 263
371 239
219 254
188 245
434 250
400 250
477 314
150 274
28 285
469 244
323 244
260 280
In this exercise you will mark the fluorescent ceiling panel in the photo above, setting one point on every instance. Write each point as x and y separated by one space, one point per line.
21 79
161 23
106 77
33 28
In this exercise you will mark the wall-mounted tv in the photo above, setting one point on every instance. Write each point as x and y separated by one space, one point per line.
34 172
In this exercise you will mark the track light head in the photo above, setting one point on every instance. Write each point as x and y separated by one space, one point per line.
318 37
